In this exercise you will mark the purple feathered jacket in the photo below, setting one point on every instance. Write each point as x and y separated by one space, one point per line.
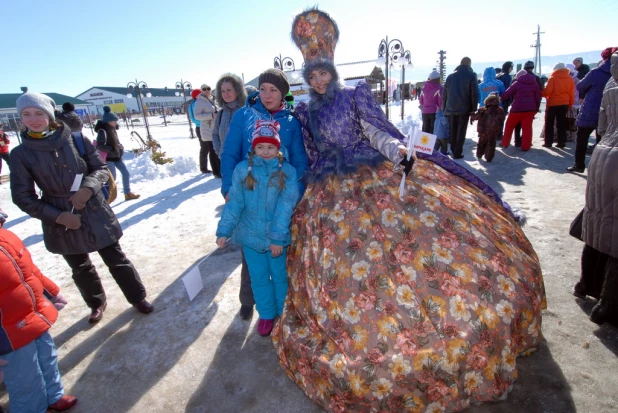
346 128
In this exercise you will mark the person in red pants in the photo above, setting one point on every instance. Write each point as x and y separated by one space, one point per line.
526 96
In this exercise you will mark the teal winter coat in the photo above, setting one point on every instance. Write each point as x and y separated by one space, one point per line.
261 217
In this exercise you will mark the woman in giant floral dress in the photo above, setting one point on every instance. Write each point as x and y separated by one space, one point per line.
420 303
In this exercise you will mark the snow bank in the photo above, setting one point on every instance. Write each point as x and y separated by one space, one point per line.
142 168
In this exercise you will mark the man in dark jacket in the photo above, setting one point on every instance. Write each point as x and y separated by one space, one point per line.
506 78
460 101
582 69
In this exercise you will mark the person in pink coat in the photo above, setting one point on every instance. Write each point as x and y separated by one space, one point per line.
431 101
526 97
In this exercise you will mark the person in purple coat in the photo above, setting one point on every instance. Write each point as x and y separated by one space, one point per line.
526 98
591 86
431 101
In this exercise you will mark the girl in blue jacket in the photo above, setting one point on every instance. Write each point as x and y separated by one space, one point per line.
262 197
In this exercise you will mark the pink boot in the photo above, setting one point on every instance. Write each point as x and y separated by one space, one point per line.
264 327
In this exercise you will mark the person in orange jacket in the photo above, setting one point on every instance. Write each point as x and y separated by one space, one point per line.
29 304
560 95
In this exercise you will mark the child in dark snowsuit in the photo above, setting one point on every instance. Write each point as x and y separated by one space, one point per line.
490 118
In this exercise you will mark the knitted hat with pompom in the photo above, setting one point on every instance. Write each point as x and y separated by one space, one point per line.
108 115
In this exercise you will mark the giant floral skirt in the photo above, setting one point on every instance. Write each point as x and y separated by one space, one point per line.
419 304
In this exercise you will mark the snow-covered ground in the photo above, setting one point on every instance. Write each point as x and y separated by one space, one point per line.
200 357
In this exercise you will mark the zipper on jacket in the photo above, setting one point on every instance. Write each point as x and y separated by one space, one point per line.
23 281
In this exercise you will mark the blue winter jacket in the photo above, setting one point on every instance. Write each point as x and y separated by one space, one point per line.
441 127
190 108
237 143
261 217
490 85
592 86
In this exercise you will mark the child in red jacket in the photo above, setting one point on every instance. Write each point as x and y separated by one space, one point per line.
29 304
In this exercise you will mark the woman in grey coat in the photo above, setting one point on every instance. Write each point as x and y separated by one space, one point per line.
230 95
75 222
600 222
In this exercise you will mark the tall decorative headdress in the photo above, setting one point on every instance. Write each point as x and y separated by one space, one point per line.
316 34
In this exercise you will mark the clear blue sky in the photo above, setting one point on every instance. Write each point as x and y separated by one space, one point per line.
69 46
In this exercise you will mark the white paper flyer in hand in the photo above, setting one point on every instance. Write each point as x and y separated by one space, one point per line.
411 138
193 282
77 182
425 142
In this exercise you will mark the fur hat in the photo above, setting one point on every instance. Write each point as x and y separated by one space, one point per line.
195 93
277 78
492 99
608 52
236 82
434 75
71 119
529 65
38 101
266 131
108 115
68 107
571 68
559 66
316 34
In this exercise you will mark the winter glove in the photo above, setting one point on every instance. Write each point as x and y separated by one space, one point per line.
3 217
80 198
59 301
71 221
407 165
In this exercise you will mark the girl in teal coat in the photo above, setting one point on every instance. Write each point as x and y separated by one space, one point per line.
261 201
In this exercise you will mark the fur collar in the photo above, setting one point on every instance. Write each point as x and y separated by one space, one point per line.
318 102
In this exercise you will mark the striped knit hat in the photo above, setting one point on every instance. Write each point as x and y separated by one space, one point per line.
266 131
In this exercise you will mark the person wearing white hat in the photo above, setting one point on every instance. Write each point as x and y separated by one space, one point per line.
431 101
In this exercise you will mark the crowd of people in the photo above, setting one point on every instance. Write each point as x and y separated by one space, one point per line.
374 299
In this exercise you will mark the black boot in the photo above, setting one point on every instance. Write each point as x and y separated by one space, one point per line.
604 310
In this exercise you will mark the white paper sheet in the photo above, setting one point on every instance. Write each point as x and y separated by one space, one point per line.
77 182
193 282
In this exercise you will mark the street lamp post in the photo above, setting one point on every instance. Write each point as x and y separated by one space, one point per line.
181 88
404 61
138 86
286 64
391 54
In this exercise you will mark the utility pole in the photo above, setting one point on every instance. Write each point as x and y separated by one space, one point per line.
537 46
442 66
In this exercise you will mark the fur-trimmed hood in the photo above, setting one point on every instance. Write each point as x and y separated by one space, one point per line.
241 93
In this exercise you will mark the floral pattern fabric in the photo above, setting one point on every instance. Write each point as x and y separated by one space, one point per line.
420 304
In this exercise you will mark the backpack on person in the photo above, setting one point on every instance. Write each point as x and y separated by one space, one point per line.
108 189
